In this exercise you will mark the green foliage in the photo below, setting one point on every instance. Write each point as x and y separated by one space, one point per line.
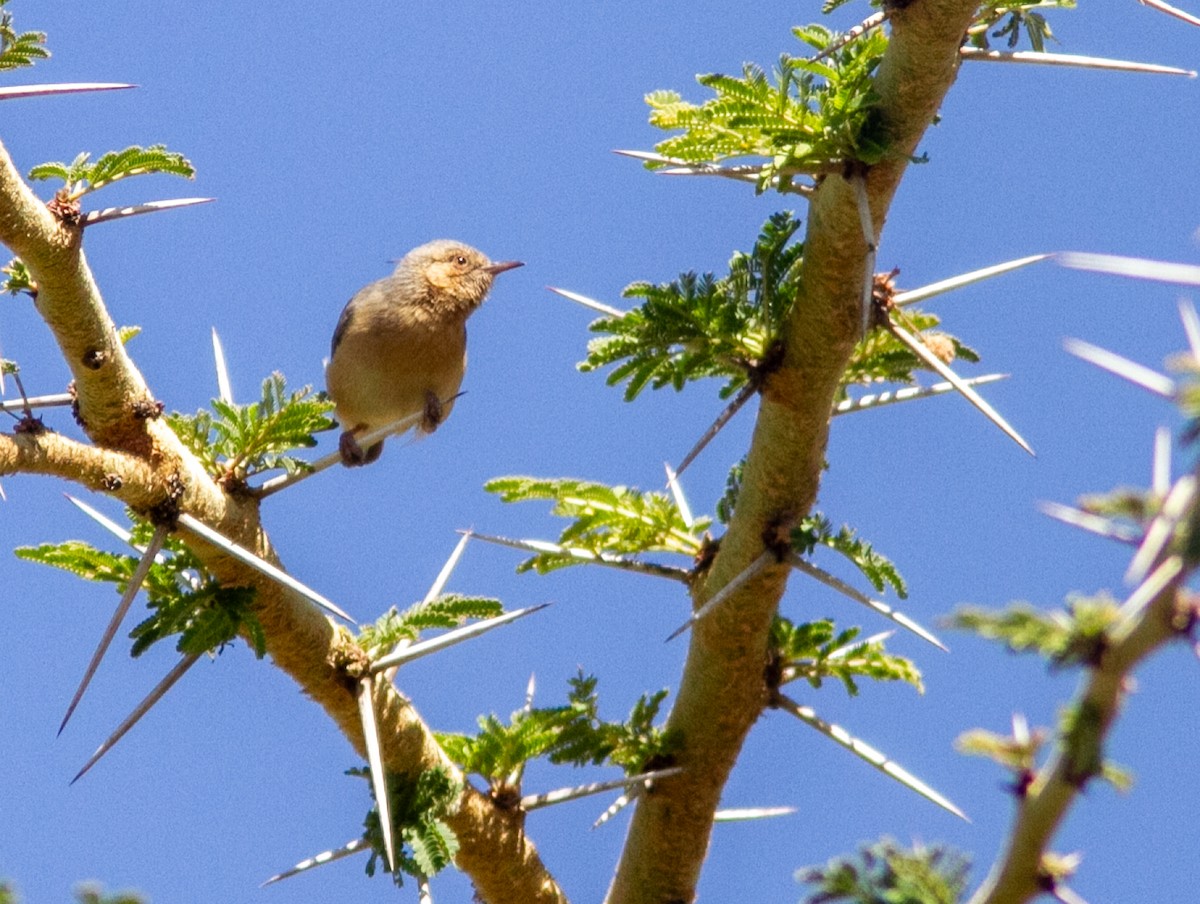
93 893
809 117
733 488
446 611
1015 753
817 530
635 745
18 50
880 357
1011 19
125 333
572 734
702 326
1076 635
427 845
82 176
884 873
813 652
606 520
236 442
184 600
18 279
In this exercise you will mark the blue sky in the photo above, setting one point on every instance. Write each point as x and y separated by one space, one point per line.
336 141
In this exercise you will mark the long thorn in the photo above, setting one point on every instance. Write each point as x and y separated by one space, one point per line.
224 386
908 394
140 710
202 530
358 844
549 798
1160 470
745 814
912 296
1156 582
618 805
765 559
735 405
370 727
108 214
607 310
15 91
1067 59
919 349
45 401
681 503
103 520
1090 522
868 753
1162 528
1191 326
135 584
1135 373
1170 11
586 555
875 605
450 638
1131 267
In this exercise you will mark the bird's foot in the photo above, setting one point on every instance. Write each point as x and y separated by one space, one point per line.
434 412
352 453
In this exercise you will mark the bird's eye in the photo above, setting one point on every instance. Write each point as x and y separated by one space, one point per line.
461 260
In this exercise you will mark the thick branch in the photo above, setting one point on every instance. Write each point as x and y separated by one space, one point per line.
722 691
1015 877
139 460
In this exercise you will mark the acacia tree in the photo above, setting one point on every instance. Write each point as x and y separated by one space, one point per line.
798 322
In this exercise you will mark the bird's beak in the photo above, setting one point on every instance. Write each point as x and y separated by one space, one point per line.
502 266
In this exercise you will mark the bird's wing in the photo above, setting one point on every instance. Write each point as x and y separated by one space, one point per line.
342 325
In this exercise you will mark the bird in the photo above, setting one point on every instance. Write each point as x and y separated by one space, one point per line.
400 345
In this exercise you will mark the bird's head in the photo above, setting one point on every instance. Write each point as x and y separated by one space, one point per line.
451 273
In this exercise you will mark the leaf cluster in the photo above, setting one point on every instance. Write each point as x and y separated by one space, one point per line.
817 530
703 326
183 599
879 357
1074 636
885 873
82 175
1011 19
807 117
17 279
605 519
19 49
427 845
446 611
571 734
814 652
235 442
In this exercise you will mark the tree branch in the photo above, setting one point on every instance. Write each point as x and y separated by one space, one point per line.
723 691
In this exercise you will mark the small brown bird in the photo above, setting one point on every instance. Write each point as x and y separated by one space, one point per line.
400 346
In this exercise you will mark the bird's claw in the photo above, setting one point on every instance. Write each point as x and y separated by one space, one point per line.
434 413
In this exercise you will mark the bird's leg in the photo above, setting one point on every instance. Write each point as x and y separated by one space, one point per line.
434 412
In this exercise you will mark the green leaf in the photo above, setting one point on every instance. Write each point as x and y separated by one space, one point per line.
446 611
816 530
235 442
813 652
605 519
18 279
18 50
82 176
701 326
885 873
427 844
1075 636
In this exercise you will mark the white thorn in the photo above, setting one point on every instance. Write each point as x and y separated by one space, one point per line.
224 387
764 560
370 727
358 844
449 639
1067 59
1132 267
912 296
205 532
1135 373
